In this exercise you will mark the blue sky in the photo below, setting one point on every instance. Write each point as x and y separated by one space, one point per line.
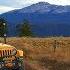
7 5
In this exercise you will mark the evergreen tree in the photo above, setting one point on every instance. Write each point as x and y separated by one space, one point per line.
25 29
3 27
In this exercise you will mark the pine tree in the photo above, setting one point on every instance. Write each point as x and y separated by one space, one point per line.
3 27
25 29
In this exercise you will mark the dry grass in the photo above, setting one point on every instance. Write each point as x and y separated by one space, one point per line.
39 52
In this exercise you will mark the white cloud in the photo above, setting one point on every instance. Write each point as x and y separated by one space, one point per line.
59 2
4 9
24 3
29 2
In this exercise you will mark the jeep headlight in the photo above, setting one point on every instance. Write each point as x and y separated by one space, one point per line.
14 52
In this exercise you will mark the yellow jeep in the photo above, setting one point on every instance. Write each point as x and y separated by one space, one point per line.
10 58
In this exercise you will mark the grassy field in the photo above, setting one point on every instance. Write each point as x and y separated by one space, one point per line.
41 54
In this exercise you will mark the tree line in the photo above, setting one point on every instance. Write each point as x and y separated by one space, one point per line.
23 29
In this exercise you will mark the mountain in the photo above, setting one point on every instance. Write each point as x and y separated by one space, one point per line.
44 7
45 19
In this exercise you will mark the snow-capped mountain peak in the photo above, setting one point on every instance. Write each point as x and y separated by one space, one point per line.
44 7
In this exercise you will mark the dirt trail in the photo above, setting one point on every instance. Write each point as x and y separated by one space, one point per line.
46 64
35 66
